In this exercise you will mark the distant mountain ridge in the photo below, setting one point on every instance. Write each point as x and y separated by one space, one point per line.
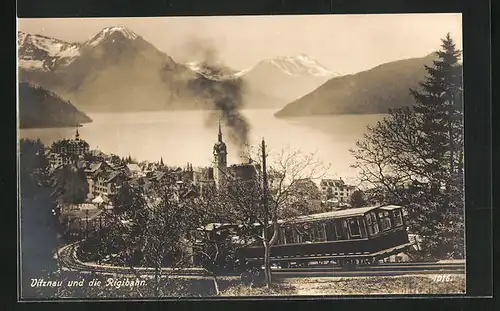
287 77
301 65
40 108
117 70
372 91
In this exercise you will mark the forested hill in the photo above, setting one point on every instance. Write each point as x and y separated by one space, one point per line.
373 91
41 108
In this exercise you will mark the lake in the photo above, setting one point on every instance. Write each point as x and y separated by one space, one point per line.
188 136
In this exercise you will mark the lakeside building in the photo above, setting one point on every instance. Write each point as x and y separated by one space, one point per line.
66 151
104 180
57 159
336 191
76 146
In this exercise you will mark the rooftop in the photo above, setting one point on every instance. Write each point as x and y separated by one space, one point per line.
133 167
336 183
320 216
244 171
343 213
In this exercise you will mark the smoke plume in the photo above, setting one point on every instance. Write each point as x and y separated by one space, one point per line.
225 94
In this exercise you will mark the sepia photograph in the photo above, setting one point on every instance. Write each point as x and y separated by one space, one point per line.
241 156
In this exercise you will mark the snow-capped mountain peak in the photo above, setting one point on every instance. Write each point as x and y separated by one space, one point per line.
300 65
212 72
43 53
21 37
108 31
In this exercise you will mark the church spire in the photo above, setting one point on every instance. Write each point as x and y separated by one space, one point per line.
220 133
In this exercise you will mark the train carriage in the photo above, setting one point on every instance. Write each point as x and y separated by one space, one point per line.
348 237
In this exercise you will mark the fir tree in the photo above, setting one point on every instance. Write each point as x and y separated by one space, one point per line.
439 105
69 185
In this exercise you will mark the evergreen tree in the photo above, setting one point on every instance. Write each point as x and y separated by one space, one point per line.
357 199
439 106
32 166
69 185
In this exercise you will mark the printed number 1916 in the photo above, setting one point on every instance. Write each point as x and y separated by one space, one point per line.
442 278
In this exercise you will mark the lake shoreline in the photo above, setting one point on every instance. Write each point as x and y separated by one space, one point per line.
186 136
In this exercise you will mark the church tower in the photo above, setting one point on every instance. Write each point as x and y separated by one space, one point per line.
220 160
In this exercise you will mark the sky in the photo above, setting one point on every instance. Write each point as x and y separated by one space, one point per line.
344 44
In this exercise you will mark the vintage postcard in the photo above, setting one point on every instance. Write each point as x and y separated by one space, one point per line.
241 156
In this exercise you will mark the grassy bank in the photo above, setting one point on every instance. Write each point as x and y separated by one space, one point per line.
278 289
401 285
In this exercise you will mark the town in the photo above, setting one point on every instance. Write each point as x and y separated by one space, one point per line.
105 174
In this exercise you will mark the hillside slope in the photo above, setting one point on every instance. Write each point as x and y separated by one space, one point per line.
40 108
373 91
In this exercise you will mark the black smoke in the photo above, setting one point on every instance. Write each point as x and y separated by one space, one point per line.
225 95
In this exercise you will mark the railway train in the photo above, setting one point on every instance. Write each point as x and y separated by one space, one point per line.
349 238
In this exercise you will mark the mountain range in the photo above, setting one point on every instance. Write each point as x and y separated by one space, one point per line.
287 77
118 70
40 108
372 91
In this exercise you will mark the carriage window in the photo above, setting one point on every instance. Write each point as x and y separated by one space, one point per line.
341 229
298 234
361 222
338 230
319 232
312 232
289 234
354 229
398 219
345 228
323 231
385 220
371 224
281 236
307 233
330 231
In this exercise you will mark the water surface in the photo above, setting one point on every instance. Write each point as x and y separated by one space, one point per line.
188 136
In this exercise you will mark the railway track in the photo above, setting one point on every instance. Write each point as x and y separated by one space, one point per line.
67 259
379 270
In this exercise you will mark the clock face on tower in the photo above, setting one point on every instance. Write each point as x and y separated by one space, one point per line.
220 148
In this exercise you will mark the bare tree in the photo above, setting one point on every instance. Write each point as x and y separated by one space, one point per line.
270 196
150 227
